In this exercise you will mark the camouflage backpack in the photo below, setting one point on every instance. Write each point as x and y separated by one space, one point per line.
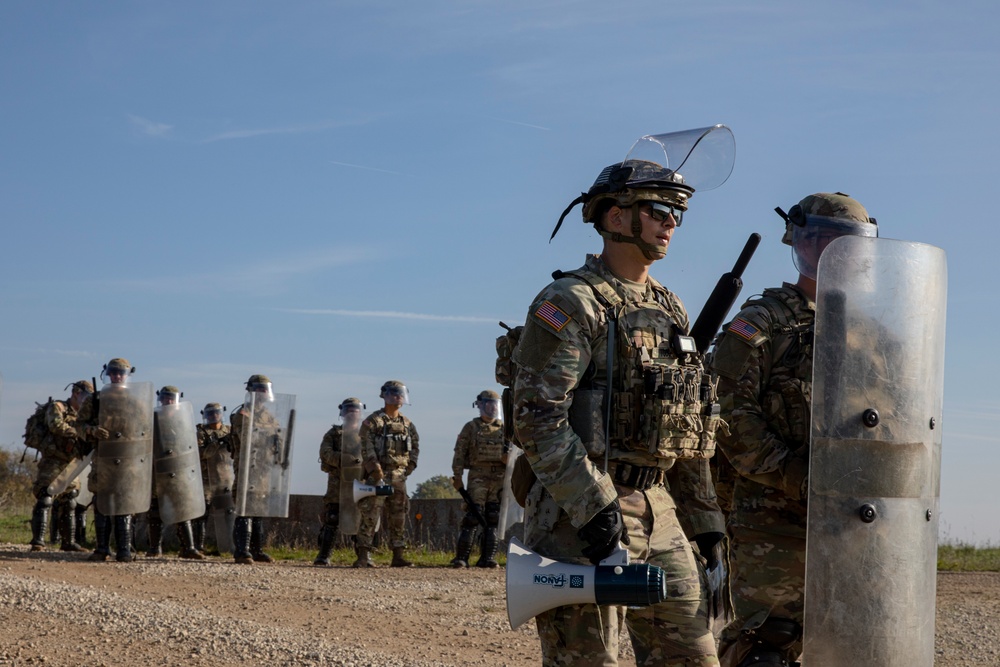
35 429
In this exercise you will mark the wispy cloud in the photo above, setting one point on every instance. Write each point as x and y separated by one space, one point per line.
361 166
148 127
389 314
516 122
286 129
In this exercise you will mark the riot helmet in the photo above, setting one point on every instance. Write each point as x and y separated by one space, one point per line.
488 404
662 171
81 390
350 412
817 220
117 371
394 392
169 395
212 414
259 390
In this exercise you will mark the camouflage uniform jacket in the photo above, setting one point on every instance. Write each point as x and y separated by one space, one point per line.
764 362
216 457
329 449
61 440
565 342
480 443
392 442
265 429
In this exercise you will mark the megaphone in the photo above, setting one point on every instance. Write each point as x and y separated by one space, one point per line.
536 583
365 490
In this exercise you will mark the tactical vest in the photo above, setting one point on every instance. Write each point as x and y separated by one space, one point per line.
662 401
487 443
394 442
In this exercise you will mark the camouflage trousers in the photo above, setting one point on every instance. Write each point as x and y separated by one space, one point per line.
332 496
48 469
674 633
485 483
396 507
768 579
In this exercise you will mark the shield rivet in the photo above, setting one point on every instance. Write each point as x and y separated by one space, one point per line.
933 423
868 513
929 514
870 417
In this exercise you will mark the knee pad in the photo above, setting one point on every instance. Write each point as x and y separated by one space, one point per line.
469 520
44 501
771 641
492 514
332 515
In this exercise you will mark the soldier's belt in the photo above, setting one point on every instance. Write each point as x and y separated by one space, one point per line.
637 477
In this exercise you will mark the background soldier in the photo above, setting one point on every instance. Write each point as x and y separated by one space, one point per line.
329 456
60 449
480 448
123 418
764 362
248 534
168 395
216 469
594 490
390 447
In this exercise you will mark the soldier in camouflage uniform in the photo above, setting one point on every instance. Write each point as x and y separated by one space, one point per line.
389 450
764 362
216 463
60 448
117 371
651 488
481 449
330 451
168 395
248 533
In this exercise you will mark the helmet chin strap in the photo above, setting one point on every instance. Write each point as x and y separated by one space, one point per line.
649 251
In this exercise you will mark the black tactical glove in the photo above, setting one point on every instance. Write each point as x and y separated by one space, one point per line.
707 543
603 532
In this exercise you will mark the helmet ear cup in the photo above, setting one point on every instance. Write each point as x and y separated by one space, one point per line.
796 216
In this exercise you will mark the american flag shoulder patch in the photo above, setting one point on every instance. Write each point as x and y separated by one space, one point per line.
552 315
743 329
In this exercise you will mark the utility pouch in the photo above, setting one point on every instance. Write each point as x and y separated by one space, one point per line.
522 478
586 418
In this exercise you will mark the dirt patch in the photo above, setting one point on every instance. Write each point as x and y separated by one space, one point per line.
59 609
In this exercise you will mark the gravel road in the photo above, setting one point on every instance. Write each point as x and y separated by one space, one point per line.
59 609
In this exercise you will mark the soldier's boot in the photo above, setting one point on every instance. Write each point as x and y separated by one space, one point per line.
488 551
326 535
241 541
257 542
67 529
364 557
102 536
198 526
155 548
463 549
397 558
123 538
81 525
55 520
39 522
185 533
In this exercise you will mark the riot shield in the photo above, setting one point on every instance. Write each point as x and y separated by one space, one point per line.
177 464
73 470
878 384
350 470
219 471
122 475
511 514
86 496
265 456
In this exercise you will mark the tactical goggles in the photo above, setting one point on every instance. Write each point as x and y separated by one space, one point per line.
660 211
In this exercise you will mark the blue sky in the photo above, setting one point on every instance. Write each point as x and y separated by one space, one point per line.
340 193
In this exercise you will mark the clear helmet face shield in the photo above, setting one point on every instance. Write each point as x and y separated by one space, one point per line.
701 159
489 408
350 416
211 416
810 240
259 393
396 394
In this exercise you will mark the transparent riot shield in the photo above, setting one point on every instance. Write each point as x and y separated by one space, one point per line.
122 475
350 470
86 496
265 457
218 465
871 545
177 464
76 468
511 514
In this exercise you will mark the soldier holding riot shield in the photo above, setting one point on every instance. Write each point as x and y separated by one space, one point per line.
178 496
481 449
340 458
60 451
118 421
217 479
764 360
262 432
